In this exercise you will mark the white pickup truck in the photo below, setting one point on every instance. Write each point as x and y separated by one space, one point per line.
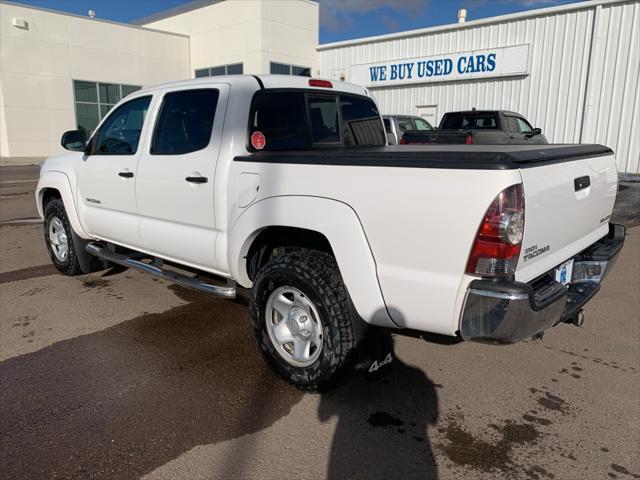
284 185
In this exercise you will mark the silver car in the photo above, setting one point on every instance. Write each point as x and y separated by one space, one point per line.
396 125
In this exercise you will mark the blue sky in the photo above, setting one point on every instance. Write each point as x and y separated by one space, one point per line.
339 19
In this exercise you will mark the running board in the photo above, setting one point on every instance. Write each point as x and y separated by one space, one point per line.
226 291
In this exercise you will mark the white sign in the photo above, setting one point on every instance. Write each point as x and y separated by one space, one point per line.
494 62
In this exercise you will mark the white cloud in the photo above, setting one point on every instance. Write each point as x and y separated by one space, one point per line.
337 15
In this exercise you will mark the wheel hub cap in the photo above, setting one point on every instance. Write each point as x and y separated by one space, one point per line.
294 326
58 239
299 323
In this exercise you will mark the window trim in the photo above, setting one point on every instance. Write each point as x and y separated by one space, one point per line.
96 132
159 111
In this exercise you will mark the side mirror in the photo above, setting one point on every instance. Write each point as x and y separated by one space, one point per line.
74 140
537 131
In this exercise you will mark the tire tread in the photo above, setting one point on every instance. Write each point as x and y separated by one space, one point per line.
320 271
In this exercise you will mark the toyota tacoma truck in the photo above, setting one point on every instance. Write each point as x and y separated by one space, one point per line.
483 127
284 185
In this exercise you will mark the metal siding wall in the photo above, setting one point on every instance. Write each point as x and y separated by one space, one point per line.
552 96
613 99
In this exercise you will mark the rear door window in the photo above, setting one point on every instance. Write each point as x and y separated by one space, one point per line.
323 112
185 122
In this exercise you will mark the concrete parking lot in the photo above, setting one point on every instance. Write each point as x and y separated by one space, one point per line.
118 375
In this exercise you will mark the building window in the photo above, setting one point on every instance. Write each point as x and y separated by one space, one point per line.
231 69
94 99
284 69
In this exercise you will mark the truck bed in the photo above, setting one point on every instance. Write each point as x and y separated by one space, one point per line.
421 223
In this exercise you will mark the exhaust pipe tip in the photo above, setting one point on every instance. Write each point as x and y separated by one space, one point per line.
578 319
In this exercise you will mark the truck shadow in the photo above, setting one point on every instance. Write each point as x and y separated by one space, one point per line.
123 401
382 426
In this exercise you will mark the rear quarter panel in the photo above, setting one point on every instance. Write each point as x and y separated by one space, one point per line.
419 222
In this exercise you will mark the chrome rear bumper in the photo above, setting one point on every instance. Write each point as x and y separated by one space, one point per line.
498 311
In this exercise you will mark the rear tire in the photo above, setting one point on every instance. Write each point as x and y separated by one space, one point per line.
301 318
59 239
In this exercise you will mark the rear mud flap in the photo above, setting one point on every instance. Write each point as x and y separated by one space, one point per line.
375 355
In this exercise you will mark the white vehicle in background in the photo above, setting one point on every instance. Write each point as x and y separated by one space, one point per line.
396 125
284 185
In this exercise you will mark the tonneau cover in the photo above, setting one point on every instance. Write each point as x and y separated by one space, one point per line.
481 157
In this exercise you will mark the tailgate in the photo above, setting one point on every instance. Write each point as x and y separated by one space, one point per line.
569 196
451 137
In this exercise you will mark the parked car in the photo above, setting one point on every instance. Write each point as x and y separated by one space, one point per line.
484 127
284 185
396 125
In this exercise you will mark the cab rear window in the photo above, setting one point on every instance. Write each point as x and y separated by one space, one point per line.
282 119
298 120
471 121
361 123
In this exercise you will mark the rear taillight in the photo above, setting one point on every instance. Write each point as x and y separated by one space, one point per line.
402 141
497 245
469 140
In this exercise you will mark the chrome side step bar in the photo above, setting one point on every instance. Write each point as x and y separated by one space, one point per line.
226 291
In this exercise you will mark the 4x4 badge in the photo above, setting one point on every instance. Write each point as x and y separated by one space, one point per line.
375 366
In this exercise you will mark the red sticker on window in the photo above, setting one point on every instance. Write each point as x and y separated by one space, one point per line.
258 141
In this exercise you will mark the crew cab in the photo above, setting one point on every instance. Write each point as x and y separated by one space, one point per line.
284 185
483 127
396 125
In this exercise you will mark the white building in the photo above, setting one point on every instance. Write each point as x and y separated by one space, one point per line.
59 71
571 70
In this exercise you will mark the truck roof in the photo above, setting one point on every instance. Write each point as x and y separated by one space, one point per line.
393 115
268 81
480 112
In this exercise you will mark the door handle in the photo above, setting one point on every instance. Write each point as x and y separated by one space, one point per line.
581 183
126 174
197 179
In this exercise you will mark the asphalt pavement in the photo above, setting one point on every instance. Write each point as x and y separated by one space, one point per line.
117 375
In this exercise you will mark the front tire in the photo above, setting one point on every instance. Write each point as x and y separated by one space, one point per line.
301 318
59 238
